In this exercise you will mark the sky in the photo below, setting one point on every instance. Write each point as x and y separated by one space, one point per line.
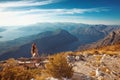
27 12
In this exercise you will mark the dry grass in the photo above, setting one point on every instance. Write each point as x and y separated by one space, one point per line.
93 73
105 69
115 47
110 50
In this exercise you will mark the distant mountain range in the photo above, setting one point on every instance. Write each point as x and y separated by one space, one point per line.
56 37
82 31
51 42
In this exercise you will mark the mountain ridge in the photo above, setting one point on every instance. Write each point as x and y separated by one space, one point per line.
85 34
110 39
45 45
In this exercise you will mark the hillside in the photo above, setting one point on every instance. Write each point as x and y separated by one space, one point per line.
60 38
92 64
110 48
86 36
112 38
12 44
97 64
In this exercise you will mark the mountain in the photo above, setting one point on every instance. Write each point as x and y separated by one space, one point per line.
82 31
89 34
86 33
110 39
92 33
54 41
38 28
10 45
24 31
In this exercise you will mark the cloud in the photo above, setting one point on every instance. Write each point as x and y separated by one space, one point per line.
54 11
10 15
26 3
32 16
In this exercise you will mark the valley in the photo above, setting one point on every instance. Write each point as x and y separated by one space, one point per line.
57 37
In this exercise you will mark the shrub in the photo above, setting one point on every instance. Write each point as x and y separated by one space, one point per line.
58 67
11 71
15 73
